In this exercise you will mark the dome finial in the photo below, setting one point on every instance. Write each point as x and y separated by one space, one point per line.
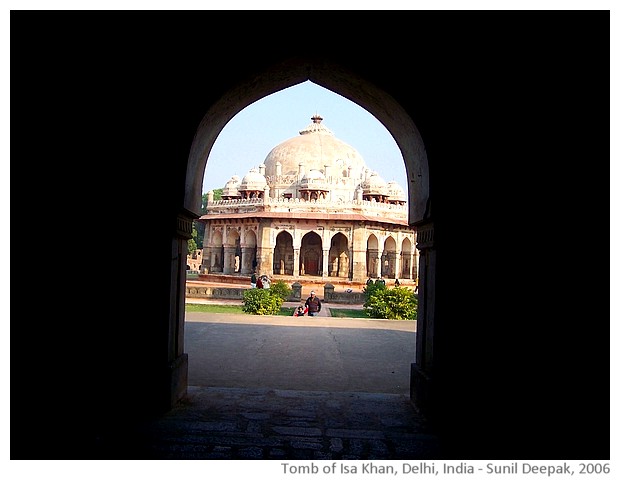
316 118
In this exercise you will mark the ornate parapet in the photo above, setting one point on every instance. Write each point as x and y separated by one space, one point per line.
292 205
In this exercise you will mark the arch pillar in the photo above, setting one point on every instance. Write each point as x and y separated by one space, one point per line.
422 385
206 259
216 262
176 369
229 259
359 270
397 272
379 263
412 258
296 261
325 266
247 257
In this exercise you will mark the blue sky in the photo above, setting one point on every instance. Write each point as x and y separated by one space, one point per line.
248 138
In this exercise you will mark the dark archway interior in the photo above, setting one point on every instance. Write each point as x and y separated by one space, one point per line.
519 336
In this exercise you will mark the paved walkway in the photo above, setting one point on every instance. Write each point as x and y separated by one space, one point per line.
273 387
273 424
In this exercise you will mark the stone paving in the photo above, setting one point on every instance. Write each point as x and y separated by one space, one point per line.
234 424
231 423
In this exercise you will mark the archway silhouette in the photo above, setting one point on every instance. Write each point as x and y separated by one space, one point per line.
338 81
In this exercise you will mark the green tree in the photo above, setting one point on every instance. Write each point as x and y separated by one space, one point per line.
192 243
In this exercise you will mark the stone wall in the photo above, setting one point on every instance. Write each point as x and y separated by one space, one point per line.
236 293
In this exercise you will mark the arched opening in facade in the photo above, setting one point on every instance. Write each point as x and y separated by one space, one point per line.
311 255
407 262
283 257
216 250
372 256
388 260
232 251
248 251
339 256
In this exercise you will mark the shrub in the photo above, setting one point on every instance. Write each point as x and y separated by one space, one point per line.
259 301
371 289
281 289
398 303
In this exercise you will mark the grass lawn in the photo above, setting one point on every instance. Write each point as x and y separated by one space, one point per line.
347 313
238 309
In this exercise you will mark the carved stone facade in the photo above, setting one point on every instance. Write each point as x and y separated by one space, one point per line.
312 209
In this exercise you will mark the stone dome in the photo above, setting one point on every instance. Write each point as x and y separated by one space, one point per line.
375 185
231 189
316 147
253 181
396 192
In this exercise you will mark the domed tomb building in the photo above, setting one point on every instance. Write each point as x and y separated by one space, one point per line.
313 208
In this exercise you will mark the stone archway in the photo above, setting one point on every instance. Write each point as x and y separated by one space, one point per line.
232 252
388 260
372 252
339 257
248 251
311 255
397 121
283 254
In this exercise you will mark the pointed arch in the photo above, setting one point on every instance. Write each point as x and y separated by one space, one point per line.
372 256
339 256
388 259
283 254
311 254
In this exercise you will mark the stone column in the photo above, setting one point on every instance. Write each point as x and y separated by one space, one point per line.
410 261
246 259
379 264
358 254
397 272
216 265
175 370
229 259
296 262
372 263
264 259
421 385
325 266
206 259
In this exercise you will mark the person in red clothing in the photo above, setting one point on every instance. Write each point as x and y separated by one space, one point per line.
313 304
